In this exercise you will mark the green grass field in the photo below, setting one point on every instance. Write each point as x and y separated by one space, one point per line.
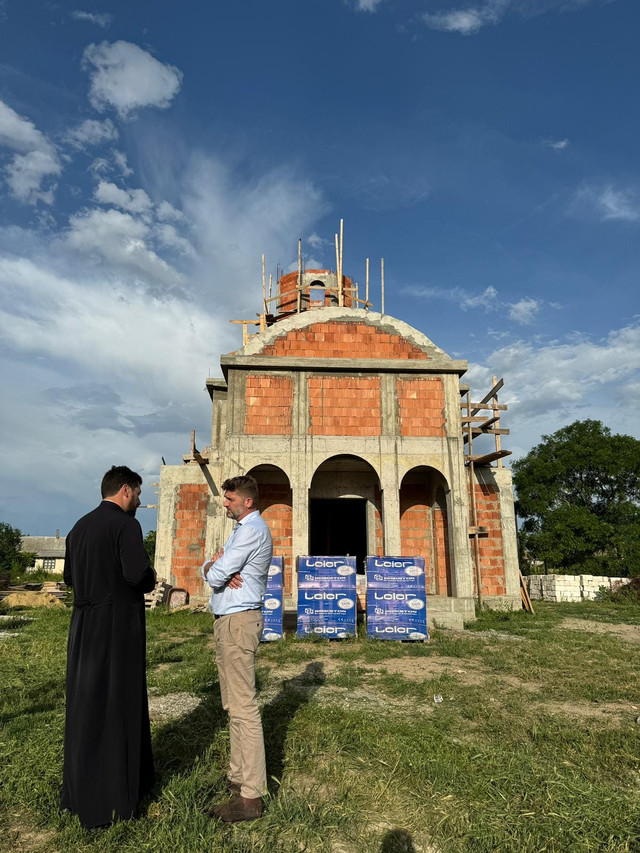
535 745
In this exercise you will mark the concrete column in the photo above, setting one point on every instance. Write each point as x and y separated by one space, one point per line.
458 510
391 509
389 404
509 533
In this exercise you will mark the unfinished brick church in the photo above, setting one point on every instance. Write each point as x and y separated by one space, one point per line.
364 442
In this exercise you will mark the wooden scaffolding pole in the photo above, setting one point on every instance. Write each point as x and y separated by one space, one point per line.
338 279
299 275
366 291
474 532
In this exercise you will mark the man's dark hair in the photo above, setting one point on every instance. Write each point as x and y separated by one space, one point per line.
117 477
245 485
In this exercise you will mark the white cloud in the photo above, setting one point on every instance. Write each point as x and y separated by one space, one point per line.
168 237
134 201
126 78
100 19
487 300
92 132
120 159
469 20
556 144
548 385
103 352
524 311
367 5
122 241
36 159
18 133
26 173
126 333
318 242
606 203
166 212
619 204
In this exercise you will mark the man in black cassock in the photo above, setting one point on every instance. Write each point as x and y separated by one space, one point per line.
108 765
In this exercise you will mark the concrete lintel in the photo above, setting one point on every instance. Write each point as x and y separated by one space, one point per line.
215 384
340 365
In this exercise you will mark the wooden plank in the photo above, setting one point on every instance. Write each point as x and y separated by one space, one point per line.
479 419
478 431
478 406
524 594
498 385
488 457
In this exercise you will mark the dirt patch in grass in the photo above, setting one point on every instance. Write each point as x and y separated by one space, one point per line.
172 706
426 668
628 633
303 673
606 712
23 838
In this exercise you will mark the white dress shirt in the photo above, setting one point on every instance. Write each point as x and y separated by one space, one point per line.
248 550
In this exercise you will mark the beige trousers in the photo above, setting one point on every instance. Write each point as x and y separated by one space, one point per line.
237 637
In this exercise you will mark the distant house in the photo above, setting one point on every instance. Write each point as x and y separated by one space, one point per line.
49 551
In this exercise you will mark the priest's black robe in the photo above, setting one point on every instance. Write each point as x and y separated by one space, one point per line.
108 765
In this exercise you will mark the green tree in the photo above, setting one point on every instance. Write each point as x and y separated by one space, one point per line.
578 495
150 546
13 561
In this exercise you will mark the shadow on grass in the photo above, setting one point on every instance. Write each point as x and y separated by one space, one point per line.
179 743
397 841
38 699
278 715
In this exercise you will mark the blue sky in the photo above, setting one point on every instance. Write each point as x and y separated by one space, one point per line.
151 151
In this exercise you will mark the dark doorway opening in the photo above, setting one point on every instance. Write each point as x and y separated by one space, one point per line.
338 528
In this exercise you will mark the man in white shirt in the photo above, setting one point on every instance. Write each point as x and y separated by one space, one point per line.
237 575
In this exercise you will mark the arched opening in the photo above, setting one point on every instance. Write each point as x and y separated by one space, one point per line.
316 293
345 510
276 507
424 525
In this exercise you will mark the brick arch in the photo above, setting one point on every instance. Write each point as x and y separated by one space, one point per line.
351 475
276 507
359 459
424 525
343 338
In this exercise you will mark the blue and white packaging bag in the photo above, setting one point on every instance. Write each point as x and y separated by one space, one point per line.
327 596
272 603
396 598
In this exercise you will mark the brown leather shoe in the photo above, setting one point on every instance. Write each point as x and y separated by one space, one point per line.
239 808
233 787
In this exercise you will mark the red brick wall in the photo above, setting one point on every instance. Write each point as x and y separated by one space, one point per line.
268 404
343 340
344 405
441 547
188 540
415 529
491 551
276 509
421 406
289 292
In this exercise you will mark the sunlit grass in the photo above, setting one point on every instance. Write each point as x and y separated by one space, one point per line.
534 746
